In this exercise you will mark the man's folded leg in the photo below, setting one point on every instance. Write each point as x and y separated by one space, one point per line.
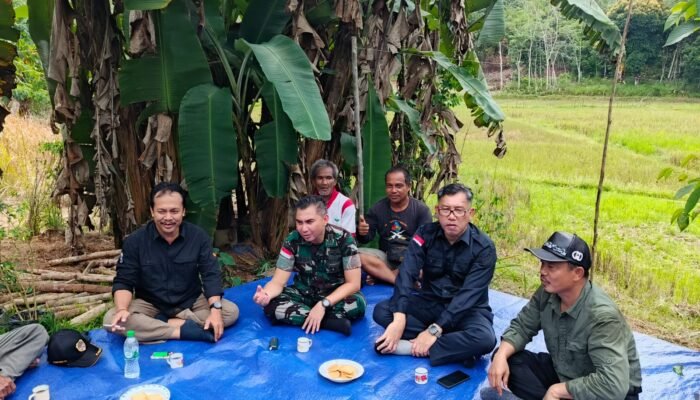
201 309
142 320
20 347
475 339
287 308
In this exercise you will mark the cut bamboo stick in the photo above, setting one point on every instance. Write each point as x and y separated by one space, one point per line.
109 262
94 278
68 313
69 287
39 299
84 257
104 271
89 314
80 299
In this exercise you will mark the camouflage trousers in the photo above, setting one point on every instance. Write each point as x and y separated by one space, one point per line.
292 307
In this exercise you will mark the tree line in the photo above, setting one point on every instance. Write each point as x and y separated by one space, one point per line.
540 46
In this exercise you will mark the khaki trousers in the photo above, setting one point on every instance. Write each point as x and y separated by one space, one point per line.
148 329
19 347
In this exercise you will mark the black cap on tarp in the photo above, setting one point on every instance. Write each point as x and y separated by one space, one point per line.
70 348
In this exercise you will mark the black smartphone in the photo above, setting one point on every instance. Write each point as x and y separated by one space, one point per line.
451 380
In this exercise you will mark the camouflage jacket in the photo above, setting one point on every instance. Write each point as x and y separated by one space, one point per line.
320 268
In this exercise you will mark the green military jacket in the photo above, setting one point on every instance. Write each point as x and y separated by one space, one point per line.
320 268
591 345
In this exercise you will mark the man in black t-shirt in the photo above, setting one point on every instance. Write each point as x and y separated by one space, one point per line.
395 219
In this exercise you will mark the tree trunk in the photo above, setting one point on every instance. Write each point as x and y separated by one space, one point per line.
529 65
500 65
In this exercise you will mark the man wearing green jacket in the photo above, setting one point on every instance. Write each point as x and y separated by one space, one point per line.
591 350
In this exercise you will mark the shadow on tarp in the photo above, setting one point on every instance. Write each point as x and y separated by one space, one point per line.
241 367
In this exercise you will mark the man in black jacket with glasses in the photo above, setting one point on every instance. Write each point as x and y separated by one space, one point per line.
449 319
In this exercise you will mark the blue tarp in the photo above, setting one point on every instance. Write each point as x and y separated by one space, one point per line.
240 366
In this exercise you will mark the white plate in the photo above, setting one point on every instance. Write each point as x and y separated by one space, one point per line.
148 389
323 370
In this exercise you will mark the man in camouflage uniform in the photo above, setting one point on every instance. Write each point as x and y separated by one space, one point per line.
326 290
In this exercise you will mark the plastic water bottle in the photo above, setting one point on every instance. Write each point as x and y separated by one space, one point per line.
131 356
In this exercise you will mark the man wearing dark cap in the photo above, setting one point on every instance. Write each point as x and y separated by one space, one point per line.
19 350
591 350
168 283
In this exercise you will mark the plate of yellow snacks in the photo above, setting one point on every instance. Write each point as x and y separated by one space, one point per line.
341 370
146 392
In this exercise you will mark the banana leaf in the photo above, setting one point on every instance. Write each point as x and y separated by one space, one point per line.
275 146
40 21
376 148
320 13
214 19
8 52
284 64
485 110
180 64
208 150
7 22
682 31
600 31
494 25
476 5
146 4
204 217
348 148
263 20
413 117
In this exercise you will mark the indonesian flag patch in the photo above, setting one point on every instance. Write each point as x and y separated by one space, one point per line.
286 253
419 240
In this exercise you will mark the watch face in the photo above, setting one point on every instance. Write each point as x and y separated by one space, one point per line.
217 305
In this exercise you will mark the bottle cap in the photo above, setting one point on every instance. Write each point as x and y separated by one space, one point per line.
130 334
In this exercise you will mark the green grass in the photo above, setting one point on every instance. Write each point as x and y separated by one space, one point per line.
548 181
601 87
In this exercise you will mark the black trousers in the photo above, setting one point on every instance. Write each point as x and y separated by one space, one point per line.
471 337
531 375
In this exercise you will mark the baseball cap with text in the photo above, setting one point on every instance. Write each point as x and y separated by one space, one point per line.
564 247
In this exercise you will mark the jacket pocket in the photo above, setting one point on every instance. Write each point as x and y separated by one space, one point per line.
434 267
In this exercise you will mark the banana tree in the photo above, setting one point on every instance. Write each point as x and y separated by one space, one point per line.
8 51
237 98
683 22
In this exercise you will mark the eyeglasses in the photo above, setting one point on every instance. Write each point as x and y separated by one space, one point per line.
458 212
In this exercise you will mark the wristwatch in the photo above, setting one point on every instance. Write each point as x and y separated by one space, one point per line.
325 303
435 330
216 304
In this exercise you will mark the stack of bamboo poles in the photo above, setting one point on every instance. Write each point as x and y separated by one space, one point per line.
81 290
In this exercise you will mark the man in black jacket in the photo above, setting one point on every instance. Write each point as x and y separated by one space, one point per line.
449 319
169 266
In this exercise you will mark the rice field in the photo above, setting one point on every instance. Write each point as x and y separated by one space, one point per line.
548 181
